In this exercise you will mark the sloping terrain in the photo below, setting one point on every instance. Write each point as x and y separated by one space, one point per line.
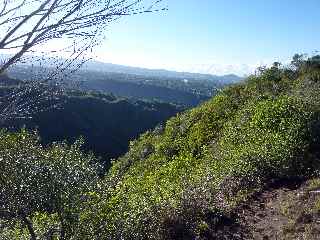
187 180
106 123
243 165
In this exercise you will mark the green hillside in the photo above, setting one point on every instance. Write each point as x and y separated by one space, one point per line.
183 182
192 178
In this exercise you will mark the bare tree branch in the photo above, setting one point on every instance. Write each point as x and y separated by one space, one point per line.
31 25
42 21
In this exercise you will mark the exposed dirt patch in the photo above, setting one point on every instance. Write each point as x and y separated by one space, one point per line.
287 209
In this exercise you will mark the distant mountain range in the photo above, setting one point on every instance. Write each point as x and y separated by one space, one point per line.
182 88
115 68
109 67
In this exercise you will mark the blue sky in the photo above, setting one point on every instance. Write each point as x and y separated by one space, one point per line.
215 36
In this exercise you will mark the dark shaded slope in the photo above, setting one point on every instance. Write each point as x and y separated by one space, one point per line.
145 91
106 123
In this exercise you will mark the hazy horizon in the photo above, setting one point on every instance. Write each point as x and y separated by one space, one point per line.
212 37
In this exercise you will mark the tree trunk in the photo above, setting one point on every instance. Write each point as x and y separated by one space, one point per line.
62 230
30 227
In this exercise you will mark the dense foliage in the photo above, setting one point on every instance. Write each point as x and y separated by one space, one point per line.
184 180
42 190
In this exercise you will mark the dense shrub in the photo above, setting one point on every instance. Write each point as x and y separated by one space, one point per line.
41 189
184 181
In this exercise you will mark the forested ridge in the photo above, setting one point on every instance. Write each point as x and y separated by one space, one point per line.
179 88
193 177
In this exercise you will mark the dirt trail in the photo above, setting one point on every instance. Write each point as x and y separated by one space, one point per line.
285 210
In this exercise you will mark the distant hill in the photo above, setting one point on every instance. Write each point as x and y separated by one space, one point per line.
142 87
187 89
116 68
109 67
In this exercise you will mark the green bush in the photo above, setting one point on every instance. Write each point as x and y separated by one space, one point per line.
41 189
